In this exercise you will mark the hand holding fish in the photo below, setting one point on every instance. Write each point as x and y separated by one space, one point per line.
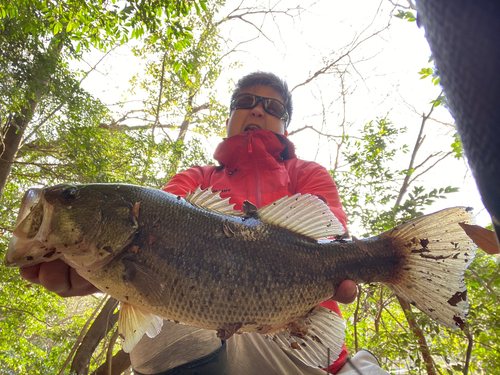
59 278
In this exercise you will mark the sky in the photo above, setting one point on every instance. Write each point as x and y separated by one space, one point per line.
381 79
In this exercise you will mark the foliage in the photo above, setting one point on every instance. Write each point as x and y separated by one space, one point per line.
370 185
409 16
375 321
175 99
69 136
74 137
37 325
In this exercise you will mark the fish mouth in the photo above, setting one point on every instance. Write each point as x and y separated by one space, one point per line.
28 245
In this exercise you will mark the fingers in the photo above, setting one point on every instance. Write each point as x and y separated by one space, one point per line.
346 292
59 278
31 273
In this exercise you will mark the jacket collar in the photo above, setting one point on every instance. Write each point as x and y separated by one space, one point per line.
237 149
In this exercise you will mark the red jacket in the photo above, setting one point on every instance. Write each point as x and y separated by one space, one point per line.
260 166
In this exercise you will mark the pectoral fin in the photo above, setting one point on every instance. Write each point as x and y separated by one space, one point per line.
314 339
133 323
143 280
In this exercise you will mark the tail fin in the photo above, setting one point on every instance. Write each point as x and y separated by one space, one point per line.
439 252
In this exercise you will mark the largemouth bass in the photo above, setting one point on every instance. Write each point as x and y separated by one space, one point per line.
198 262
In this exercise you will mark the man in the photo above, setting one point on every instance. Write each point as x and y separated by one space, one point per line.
258 164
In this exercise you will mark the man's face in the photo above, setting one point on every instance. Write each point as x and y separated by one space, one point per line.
241 120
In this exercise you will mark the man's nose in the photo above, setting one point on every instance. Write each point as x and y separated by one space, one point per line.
258 110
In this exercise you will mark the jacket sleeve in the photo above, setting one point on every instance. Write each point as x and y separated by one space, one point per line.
314 179
184 182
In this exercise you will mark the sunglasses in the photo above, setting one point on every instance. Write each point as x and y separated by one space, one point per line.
272 106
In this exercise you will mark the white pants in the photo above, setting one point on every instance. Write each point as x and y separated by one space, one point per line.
247 354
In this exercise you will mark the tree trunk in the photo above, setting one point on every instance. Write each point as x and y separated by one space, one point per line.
104 322
43 68
11 141
422 342
121 362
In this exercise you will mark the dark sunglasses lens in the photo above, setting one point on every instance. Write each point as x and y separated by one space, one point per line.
271 106
275 108
245 101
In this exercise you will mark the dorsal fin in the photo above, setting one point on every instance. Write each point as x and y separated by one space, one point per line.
304 214
209 201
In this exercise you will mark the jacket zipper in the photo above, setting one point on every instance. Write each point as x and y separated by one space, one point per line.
256 172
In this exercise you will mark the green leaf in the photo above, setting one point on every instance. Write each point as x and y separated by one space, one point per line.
57 28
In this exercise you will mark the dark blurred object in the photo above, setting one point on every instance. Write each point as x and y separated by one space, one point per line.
464 37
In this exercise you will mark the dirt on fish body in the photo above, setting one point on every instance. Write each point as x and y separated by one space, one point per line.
197 262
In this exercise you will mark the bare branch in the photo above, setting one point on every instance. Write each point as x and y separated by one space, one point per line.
81 335
432 166
352 46
418 143
25 312
422 342
162 77
314 130
411 5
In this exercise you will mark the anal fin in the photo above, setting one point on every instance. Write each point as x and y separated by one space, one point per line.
133 323
315 338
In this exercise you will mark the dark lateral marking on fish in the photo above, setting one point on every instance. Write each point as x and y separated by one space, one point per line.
109 249
457 297
29 258
362 246
48 255
424 243
295 345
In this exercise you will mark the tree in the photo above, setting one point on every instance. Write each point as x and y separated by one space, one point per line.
38 38
51 133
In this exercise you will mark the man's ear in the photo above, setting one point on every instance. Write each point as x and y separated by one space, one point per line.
227 122
286 133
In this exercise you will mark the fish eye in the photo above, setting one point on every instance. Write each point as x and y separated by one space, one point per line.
69 193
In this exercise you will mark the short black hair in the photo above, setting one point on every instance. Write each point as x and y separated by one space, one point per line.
266 79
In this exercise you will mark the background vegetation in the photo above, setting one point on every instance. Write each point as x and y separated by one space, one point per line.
56 128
